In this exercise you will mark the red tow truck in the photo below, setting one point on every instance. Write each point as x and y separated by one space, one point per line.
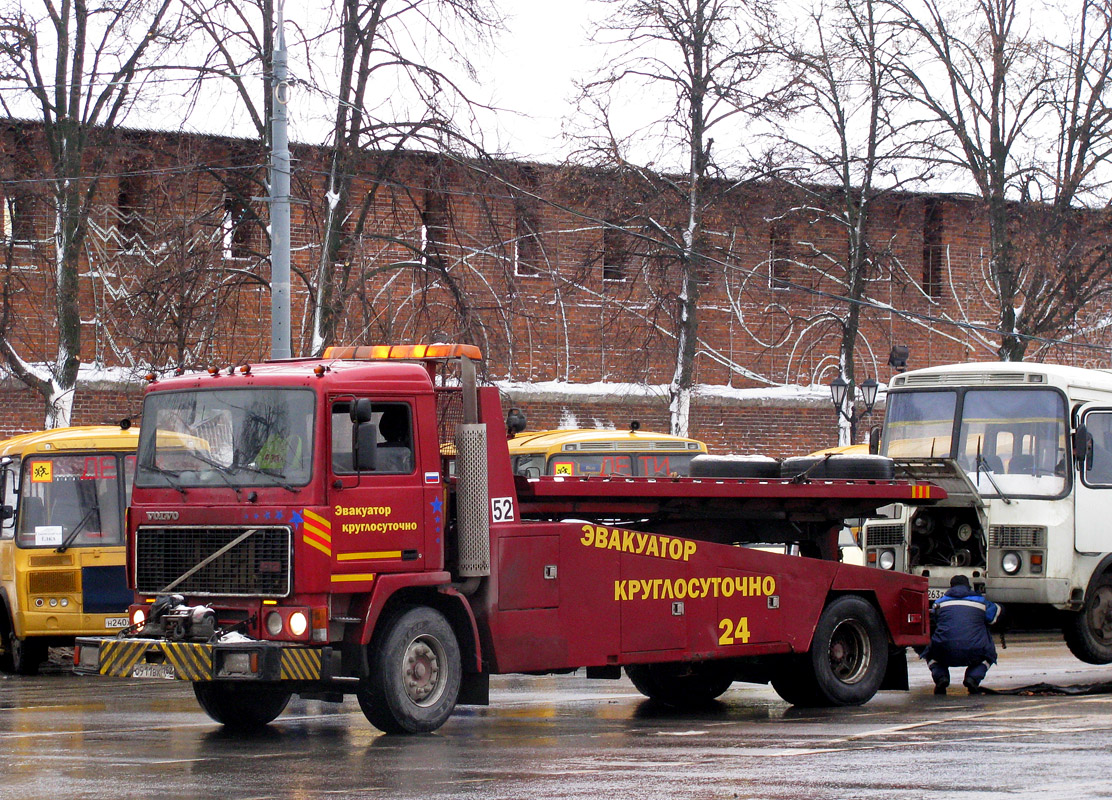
351 525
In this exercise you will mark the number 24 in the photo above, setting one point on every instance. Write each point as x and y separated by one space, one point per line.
731 633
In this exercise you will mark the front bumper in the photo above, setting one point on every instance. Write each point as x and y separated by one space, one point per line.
248 660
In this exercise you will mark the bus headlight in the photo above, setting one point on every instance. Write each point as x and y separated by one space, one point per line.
1011 562
887 559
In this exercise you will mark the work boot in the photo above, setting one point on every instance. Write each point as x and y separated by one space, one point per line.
974 686
940 685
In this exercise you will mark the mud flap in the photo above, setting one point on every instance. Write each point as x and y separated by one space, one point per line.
895 677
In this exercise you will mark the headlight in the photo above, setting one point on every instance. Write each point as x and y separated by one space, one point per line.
299 623
1011 562
138 617
274 623
887 559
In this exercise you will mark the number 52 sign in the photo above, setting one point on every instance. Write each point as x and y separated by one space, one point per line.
501 509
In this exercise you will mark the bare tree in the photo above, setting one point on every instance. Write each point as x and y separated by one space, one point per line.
79 66
841 147
707 58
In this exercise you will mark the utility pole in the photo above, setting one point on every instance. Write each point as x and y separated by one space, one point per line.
280 204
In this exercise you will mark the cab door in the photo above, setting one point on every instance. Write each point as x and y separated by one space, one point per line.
378 512
1093 487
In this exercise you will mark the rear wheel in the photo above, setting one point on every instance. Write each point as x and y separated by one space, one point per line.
847 660
242 706
681 685
1088 633
415 673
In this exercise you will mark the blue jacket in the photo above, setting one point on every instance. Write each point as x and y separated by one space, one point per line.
961 636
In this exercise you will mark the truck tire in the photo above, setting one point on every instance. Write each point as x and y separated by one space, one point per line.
415 673
847 660
21 656
1088 632
240 706
706 466
681 686
865 467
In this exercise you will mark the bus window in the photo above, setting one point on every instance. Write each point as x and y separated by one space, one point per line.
70 501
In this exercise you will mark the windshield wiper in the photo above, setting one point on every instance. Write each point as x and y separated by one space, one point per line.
277 481
168 473
981 462
76 530
220 469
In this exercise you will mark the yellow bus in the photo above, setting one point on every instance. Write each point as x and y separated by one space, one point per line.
591 451
62 570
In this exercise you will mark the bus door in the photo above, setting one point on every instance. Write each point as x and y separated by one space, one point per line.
1093 493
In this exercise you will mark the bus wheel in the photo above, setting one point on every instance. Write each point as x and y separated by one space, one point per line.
20 656
415 673
681 685
240 706
1088 632
847 660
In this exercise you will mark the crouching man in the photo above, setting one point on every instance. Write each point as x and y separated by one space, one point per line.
960 637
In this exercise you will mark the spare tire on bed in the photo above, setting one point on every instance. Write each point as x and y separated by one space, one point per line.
705 466
862 467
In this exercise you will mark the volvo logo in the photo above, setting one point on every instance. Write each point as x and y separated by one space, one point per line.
161 516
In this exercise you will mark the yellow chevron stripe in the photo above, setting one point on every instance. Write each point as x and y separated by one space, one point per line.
314 529
368 556
118 659
192 662
300 664
318 545
317 518
360 577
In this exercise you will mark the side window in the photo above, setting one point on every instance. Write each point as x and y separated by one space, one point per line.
10 477
394 440
1099 471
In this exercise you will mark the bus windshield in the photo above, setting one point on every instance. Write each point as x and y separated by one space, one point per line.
73 500
230 437
1009 441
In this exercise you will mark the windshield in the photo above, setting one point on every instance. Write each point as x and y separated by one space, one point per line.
1013 437
73 500
229 437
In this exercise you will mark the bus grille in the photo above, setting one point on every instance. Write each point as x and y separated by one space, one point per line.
52 582
257 566
1017 536
876 535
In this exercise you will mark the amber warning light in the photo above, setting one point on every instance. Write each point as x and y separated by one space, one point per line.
384 351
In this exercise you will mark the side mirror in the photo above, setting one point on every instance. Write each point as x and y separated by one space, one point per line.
1082 448
361 410
7 512
364 445
874 440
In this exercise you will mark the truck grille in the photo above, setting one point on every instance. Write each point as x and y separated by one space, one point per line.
1017 536
884 535
258 566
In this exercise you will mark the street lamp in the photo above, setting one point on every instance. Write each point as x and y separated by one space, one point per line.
840 388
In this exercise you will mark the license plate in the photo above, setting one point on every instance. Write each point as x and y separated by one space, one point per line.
153 671
934 594
115 622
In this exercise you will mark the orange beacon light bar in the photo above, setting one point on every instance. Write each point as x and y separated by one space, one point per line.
386 351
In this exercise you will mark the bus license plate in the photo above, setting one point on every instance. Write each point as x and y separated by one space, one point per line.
934 594
115 622
153 671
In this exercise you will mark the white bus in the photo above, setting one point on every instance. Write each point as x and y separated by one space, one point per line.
1024 452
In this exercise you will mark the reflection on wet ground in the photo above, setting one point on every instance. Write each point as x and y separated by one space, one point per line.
567 737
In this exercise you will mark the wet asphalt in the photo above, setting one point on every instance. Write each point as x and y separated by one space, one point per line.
63 736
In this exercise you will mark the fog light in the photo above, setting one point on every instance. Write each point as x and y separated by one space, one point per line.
274 623
237 664
299 623
1011 562
887 559
87 657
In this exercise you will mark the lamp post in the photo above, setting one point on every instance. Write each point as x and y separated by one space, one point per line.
840 389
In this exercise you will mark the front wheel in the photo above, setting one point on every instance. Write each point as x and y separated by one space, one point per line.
241 706
681 685
415 673
847 660
1088 633
20 656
